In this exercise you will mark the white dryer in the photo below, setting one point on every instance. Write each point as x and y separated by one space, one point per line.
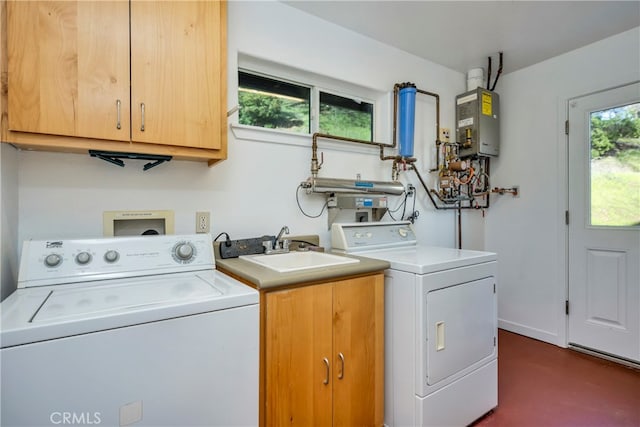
441 365
128 331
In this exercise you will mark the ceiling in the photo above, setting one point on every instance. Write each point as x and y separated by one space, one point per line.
462 34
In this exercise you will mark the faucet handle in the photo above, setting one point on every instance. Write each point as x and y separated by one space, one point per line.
267 246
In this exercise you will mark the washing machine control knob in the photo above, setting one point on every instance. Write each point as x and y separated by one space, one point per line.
53 260
184 252
83 258
111 256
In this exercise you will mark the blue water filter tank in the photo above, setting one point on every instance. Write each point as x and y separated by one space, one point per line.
406 119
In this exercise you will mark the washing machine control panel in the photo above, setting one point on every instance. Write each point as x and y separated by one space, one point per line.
352 237
46 262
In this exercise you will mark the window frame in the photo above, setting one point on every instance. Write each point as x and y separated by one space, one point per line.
381 101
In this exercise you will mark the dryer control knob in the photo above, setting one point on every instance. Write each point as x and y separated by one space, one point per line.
184 251
111 256
53 260
403 232
83 258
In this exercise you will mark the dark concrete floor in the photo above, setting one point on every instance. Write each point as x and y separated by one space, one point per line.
542 385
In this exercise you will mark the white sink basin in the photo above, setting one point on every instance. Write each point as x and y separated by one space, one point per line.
297 261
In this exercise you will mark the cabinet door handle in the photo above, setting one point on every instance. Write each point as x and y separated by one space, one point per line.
341 373
326 378
142 117
118 104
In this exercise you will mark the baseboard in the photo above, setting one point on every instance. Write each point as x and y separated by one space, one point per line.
530 332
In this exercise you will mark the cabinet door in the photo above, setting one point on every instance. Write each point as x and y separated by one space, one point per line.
68 66
298 339
358 345
178 73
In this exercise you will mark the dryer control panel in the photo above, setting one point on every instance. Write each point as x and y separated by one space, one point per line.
51 262
360 236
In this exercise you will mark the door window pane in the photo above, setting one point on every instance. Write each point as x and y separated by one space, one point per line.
340 116
615 166
273 104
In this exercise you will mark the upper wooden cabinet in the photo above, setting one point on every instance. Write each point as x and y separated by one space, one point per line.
68 67
324 354
139 76
176 80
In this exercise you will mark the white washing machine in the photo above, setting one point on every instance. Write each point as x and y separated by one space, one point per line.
441 364
128 331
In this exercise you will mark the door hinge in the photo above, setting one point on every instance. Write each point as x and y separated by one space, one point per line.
566 307
494 288
566 127
494 341
566 217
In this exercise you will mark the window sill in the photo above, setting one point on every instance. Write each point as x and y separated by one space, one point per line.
252 133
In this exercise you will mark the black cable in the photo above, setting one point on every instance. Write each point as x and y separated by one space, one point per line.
403 203
304 241
495 82
300 207
227 241
414 214
489 74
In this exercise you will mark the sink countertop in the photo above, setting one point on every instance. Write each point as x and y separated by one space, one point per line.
265 278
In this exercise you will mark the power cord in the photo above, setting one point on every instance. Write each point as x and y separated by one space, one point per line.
227 242
302 210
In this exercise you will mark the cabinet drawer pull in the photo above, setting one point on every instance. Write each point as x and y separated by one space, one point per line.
118 104
326 378
341 373
142 117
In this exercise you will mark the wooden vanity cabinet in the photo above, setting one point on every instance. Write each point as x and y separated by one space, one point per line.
324 354
139 76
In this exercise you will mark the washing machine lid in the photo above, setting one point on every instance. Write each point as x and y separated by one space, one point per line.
35 314
421 259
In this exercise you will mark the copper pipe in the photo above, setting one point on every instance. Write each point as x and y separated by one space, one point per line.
438 142
382 145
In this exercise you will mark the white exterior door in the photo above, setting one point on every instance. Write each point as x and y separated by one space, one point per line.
604 222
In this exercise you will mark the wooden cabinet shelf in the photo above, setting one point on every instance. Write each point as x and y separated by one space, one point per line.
138 76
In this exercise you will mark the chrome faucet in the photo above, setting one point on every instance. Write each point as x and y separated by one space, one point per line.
283 230
279 246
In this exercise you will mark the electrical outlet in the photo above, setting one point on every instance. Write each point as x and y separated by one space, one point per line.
203 222
445 135
362 216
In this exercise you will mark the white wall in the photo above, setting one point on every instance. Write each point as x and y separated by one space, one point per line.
528 232
253 192
8 219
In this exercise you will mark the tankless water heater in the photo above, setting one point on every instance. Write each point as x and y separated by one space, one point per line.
477 123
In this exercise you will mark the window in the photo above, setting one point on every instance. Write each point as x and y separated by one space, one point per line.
340 116
615 166
274 103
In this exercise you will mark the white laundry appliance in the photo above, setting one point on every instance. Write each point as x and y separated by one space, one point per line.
441 364
128 331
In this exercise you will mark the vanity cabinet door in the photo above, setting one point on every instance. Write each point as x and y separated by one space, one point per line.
358 343
298 357
324 355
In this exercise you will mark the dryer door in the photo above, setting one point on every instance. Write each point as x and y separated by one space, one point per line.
461 328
